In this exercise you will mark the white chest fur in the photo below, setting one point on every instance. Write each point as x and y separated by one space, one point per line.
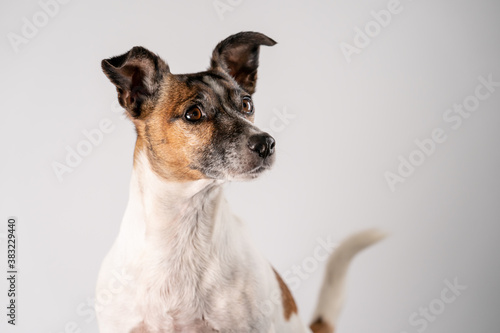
188 264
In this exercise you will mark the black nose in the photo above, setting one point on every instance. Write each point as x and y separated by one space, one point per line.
262 144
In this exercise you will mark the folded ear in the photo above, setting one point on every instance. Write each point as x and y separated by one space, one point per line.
137 76
238 55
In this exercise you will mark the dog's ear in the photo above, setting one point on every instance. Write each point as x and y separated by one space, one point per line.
238 55
137 76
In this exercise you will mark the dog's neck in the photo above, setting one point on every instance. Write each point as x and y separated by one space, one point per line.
184 249
171 216
172 236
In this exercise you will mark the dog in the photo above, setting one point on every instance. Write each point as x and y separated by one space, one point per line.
188 264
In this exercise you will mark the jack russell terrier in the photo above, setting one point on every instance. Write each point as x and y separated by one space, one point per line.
190 263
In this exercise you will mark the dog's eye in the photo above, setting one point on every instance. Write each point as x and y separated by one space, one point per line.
193 114
247 106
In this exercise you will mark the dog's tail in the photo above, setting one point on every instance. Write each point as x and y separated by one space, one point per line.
331 296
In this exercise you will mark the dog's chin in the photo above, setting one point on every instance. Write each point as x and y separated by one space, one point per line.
251 173
239 171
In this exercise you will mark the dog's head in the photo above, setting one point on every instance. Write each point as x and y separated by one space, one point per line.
196 126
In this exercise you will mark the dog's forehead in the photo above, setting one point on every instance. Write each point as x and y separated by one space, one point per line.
211 86
218 83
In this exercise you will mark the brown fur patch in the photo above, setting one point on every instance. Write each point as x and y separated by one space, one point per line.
289 306
169 142
320 326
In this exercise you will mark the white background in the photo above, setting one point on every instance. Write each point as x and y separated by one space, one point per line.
352 122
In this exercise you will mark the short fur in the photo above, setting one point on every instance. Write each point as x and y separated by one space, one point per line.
188 264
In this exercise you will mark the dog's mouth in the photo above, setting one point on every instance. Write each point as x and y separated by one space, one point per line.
258 170
254 173
238 174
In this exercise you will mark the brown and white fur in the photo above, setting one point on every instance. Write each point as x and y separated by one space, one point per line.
189 264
